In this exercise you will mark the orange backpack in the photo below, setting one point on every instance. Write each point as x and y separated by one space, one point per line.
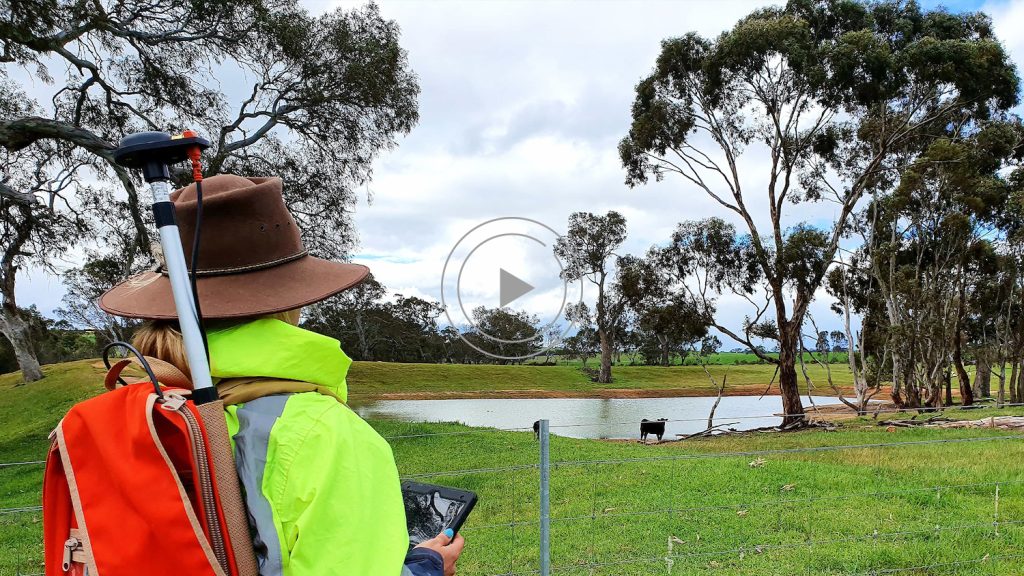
129 489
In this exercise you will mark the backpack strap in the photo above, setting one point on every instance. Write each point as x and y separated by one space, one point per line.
240 390
166 373
231 390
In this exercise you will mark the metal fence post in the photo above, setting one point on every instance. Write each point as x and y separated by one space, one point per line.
545 501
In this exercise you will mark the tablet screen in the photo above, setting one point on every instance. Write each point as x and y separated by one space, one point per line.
427 514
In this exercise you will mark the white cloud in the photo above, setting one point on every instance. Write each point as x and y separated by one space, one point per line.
1008 20
522 106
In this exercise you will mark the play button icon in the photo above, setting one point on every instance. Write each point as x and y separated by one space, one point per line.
510 287
511 319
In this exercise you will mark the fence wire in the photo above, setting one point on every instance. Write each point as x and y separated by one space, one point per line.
25 463
20 509
601 516
589 519
745 505
710 455
777 415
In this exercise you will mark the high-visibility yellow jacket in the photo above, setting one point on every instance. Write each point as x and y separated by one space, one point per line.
321 485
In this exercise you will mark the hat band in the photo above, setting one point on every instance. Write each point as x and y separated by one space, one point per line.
244 269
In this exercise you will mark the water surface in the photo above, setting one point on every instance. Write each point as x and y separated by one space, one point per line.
589 417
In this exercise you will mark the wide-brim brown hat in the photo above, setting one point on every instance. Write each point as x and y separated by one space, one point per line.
251 258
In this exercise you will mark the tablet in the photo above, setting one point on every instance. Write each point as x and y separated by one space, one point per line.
429 509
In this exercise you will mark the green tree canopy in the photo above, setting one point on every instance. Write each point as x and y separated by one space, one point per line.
839 96
277 90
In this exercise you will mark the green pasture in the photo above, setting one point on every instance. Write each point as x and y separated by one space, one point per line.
910 497
372 379
717 358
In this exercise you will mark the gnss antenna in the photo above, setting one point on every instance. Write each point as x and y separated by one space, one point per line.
153 153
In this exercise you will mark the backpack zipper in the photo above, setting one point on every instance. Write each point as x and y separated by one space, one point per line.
70 545
176 403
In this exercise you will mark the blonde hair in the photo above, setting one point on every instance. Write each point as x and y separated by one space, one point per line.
162 339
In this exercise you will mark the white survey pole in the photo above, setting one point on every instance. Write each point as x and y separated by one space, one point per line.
177 272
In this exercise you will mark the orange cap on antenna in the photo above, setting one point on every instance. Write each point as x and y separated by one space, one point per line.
194 154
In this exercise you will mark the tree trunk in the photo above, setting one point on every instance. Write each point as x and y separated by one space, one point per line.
361 333
896 391
1001 398
947 381
911 386
1020 385
1013 381
934 385
605 375
983 378
903 393
894 394
14 327
792 406
966 393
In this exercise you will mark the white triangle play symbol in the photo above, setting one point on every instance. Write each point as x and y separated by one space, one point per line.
511 287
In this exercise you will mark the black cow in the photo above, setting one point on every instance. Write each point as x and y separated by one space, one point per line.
536 429
656 427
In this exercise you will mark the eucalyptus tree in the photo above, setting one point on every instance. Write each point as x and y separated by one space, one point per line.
373 325
512 334
582 345
932 255
991 303
827 93
103 267
351 317
671 326
313 99
37 223
998 297
85 285
668 321
587 251
958 187
838 284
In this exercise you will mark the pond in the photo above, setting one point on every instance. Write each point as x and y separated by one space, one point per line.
589 417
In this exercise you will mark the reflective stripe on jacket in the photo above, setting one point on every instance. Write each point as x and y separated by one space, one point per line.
321 485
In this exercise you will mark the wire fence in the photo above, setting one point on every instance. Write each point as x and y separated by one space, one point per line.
25 463
880 505
866 503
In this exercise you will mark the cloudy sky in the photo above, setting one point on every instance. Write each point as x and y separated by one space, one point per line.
521 108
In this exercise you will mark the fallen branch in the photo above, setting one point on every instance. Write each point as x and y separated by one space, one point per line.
913 423
1004 422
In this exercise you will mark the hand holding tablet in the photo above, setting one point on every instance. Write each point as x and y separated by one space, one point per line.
430 510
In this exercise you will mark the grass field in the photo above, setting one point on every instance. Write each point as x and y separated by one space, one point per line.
617 506
369 380
717 358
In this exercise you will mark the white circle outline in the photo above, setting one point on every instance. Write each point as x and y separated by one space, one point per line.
444 273
462 307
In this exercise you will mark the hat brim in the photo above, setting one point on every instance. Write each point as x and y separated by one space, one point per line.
283 287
